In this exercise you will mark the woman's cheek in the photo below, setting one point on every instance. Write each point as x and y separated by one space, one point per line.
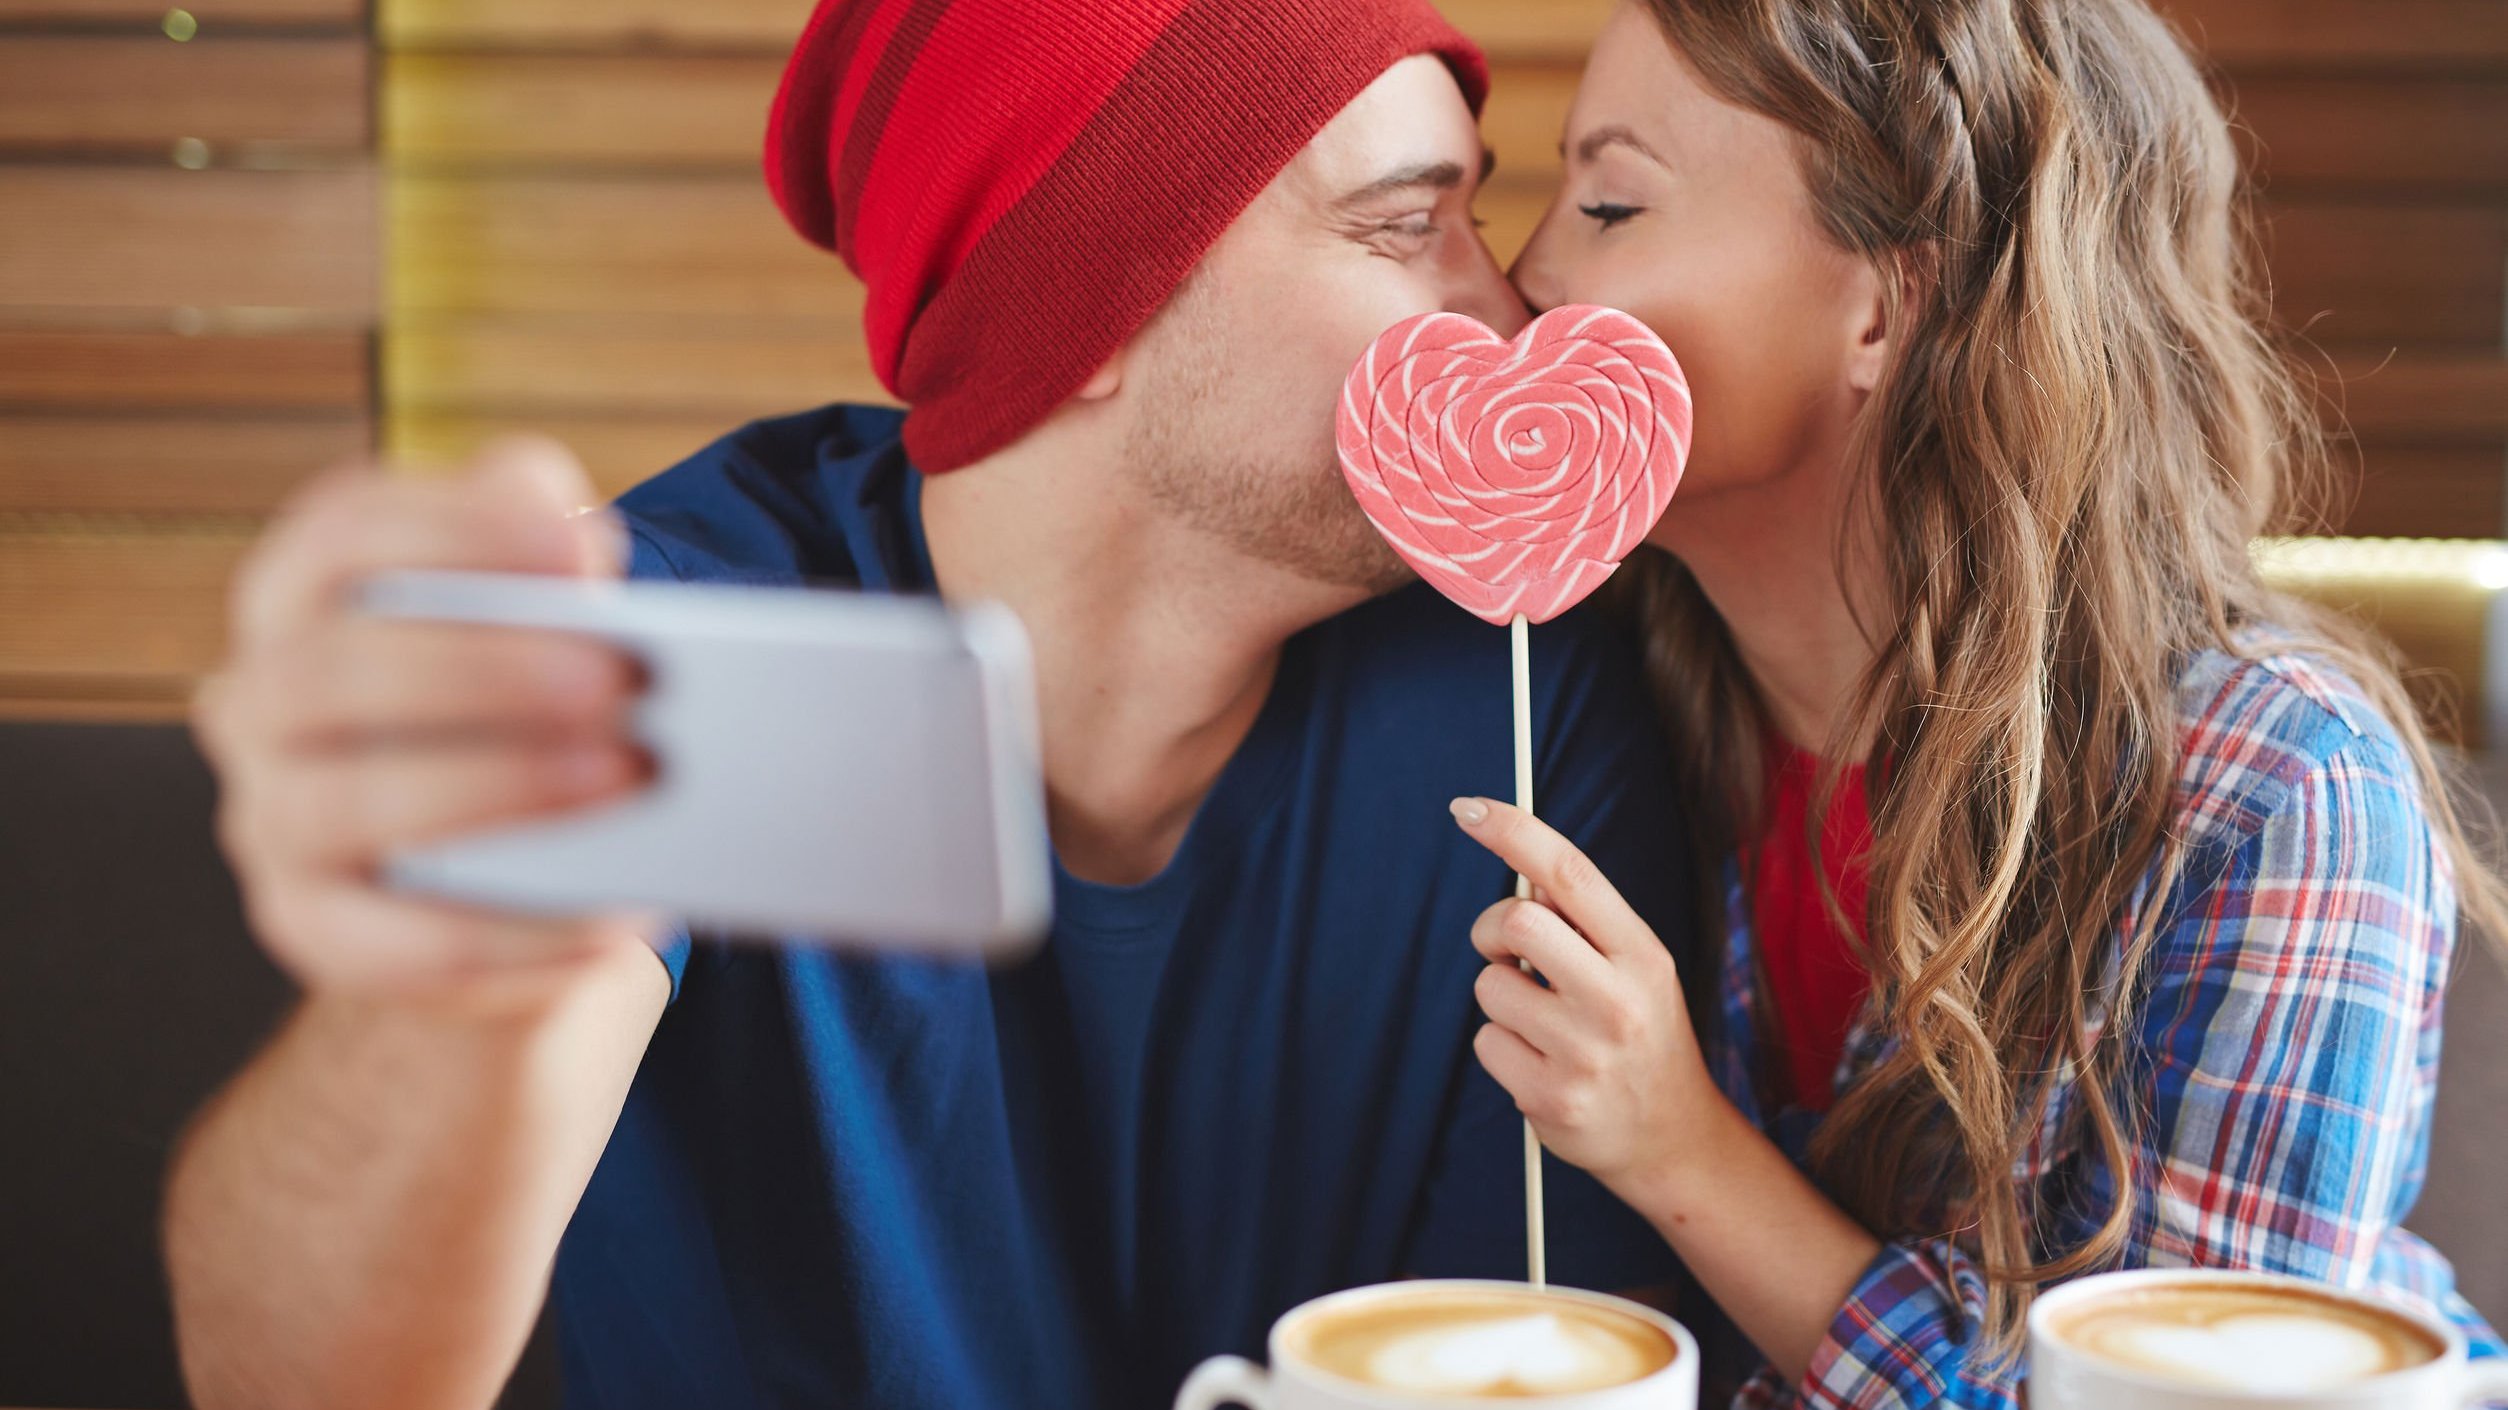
1728 397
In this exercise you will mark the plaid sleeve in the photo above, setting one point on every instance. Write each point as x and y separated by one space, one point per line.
2288 1051
2292 1032
1901 1339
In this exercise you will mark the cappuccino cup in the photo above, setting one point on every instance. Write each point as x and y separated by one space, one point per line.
1411 1346
2159 1339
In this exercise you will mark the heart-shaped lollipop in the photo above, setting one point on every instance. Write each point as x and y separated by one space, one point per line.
1515 476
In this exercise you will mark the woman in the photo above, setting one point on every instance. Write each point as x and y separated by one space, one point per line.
2120 935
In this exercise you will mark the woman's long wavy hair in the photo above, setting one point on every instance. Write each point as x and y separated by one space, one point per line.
2088 421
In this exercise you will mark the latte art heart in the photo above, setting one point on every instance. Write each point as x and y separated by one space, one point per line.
1514 476
1476 1342
1540 1354
2266 1351
2246 1336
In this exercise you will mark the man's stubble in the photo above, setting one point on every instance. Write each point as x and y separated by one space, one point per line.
1206 458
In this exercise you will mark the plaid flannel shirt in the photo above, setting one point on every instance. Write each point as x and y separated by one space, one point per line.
2287 1060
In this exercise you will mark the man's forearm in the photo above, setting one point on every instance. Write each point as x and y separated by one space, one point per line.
367 1215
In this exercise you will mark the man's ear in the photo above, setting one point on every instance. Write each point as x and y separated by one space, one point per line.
1107 379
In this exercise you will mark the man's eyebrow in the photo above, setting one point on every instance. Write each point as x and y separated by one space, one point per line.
1440 176
1592 144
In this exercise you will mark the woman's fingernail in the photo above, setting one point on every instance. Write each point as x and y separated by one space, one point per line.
1471 812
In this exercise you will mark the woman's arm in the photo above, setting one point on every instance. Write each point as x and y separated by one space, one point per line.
1605 1064
2287 1047
2289 1044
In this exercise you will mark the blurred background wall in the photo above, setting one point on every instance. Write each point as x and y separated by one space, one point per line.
243 239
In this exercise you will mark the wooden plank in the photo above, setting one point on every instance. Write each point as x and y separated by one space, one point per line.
2422 397
712 247
2436 421
167 464
736 374
2347 34
2346 272
2233 33
635 108
1538 29
212 15
85 238
69 700
687 245
1526 115
84 93
2368 273
1509 208
503 108
2442 134
619 451
94 371
2428 133
1557 31
753 24
126 614
2423 491
702 245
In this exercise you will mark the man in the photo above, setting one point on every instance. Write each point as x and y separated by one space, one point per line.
1117 259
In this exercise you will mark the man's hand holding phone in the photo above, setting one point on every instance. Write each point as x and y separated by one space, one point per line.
340 738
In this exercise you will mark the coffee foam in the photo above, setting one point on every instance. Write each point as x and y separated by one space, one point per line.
1481 1345
2250 1338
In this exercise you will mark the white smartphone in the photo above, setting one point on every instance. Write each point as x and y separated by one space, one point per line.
849 768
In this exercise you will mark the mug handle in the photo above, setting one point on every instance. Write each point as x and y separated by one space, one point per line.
1225 1380
2485 1383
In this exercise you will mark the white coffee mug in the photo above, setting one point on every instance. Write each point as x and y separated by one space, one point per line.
1293 1385
2063 1376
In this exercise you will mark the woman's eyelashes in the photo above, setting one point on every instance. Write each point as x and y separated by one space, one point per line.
1610 213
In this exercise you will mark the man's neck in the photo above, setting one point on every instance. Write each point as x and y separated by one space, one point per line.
1767 557
1155 647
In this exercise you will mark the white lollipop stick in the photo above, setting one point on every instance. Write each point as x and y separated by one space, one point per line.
1536 1243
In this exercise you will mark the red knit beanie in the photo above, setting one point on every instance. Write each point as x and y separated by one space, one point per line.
1020 184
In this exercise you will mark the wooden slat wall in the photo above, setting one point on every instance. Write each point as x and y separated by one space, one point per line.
580 233
572 237
141 93
2378 130
333 16
579 237
189 264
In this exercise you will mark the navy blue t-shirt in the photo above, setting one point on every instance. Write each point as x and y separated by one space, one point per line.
902 1183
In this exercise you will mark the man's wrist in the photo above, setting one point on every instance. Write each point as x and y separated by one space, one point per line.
508 997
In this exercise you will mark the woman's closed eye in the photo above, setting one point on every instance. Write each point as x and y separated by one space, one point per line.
1611 213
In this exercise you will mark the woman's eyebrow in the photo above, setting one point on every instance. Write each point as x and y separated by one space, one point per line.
1439 176
1615 135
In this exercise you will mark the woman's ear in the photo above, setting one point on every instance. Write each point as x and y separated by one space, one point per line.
1881 313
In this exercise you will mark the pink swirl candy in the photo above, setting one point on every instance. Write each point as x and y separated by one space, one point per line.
1515 476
